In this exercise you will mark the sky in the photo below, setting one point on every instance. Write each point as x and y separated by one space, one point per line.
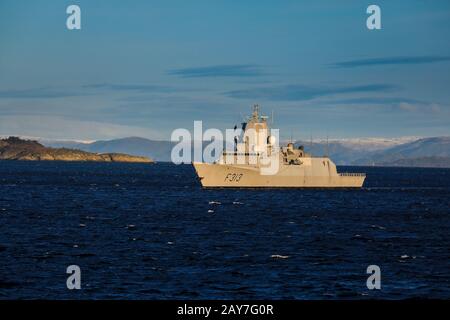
145 68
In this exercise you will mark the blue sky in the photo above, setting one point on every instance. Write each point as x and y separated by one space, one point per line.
144 68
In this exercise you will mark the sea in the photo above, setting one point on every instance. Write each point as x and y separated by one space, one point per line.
141 231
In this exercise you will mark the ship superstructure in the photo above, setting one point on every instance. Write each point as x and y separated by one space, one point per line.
258 161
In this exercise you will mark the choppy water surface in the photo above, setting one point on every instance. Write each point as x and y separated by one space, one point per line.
150 232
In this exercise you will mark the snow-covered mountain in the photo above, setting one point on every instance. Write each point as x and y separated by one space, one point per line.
403 151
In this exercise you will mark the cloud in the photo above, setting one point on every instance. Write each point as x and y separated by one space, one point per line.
36 93
53 92
377 100
301 93
395 103
130 87
417 107
390 60
237 70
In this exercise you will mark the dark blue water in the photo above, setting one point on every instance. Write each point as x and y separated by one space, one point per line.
150 232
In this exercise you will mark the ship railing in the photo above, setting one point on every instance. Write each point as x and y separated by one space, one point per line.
352 174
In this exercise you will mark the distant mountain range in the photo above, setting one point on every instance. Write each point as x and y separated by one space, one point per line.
426 152
422 152
410 151
157 150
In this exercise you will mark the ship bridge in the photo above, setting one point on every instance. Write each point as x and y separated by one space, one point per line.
256 141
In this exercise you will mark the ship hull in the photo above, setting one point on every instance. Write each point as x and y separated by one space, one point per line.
222 176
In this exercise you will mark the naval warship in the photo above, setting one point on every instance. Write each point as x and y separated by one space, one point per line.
259 161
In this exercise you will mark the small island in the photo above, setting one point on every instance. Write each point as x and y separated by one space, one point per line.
14 148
